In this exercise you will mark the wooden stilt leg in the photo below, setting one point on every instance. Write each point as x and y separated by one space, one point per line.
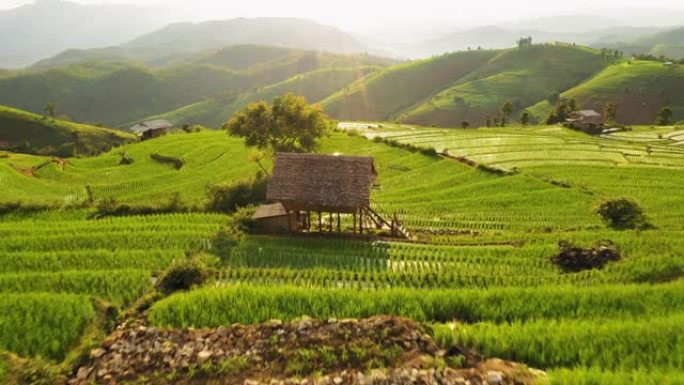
320 222
361 221
339 223
330 224
354 217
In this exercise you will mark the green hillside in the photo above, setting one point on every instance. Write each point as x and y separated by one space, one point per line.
521 76
210 157
31 133
119 93
640 89
667 43
386 94
314 86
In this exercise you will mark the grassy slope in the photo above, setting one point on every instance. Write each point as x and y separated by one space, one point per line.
386 94
427 191
118 94
440 190
314 86
37 133
210 157
636 164
640 88
520 76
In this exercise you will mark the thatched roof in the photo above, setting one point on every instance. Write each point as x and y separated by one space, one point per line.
269 211
151 125
588 114
312 182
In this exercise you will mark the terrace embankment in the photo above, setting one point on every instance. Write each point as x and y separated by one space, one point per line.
378 350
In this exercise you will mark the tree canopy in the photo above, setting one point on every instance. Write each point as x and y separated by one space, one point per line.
664 117
289 124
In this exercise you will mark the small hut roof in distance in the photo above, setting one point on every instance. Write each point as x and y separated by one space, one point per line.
327 183
151 125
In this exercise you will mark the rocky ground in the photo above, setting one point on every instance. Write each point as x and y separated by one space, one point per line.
379 350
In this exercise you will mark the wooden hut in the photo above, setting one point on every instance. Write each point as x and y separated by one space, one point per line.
273 218
323 188
588 121
151 129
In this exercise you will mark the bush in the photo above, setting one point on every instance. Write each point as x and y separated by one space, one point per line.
495 170
573 258
38 371
183 275
177 163
225 240
24 208
623 213
228 197
126 159
428 151
242 219
113 208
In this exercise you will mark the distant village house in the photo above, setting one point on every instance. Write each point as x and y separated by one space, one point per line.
588 121
151 129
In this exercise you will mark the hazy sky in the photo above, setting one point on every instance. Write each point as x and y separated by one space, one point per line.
357 14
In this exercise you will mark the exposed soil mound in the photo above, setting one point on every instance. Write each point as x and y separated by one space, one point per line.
573 258
388 350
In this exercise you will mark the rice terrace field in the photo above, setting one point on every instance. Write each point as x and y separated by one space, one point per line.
487 209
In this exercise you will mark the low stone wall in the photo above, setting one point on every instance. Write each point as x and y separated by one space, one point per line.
389 350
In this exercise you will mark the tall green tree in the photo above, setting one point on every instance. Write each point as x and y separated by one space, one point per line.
610 111
664 117
506 112
525 118
561 111
51 110
289 124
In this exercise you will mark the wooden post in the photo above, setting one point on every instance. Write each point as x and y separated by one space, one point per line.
320 222
339 223
330 224
361 221
354 216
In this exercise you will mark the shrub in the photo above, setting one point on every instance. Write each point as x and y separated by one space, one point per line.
39 371
623 213
113 208
228 197
24 208
573 258
126 159
225 240
242 219
428 151
177 163
183 275
495 170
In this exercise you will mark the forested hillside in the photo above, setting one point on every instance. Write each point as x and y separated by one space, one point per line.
639 88
448 90
118 93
